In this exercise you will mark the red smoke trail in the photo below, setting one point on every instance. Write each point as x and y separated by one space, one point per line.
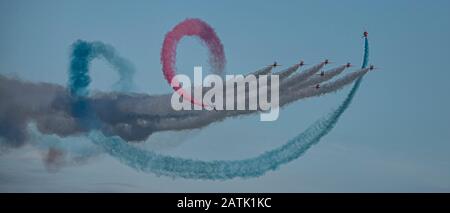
190 27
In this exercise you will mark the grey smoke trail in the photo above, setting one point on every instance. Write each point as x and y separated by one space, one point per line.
301 76
263 71
325 88
311 91
286 98
50 100
231 90
134 117
319 79
312 80
22 102
287 72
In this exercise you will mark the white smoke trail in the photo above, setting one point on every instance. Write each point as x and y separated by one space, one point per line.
132 116
325 88
317 79
301 76
287 72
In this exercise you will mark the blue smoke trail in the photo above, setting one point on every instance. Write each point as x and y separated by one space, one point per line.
149 161
83 53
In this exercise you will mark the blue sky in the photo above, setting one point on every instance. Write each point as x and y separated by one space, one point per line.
394 137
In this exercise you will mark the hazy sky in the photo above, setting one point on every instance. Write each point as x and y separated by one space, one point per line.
394 137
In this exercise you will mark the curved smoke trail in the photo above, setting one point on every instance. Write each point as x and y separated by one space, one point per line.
197 28
149 161
83 53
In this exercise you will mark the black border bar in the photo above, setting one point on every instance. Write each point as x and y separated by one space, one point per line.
271 201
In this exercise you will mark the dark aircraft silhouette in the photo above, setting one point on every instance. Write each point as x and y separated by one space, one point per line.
322 73
301 63
275 64
348 65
